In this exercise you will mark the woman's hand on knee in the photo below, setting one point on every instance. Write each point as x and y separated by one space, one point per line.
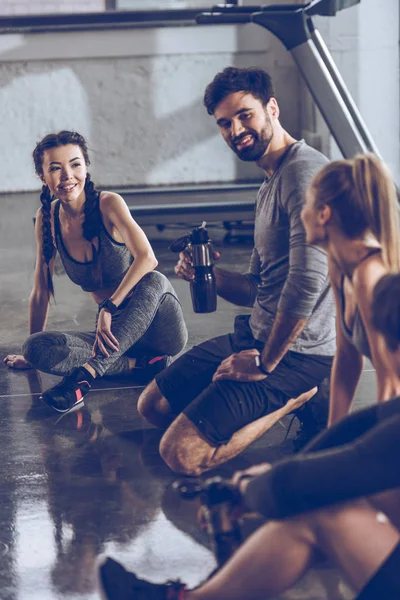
17 361
105 340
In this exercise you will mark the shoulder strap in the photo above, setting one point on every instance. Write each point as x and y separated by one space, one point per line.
371 252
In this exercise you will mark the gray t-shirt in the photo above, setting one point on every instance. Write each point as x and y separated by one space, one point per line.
287 274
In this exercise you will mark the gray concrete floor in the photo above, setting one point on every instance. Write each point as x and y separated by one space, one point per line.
92 483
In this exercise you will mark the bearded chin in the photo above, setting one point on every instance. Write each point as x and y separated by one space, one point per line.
256 151
252 154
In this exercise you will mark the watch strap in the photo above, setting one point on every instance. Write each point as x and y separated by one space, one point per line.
108 305
260 365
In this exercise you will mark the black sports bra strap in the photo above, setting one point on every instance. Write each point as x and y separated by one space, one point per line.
371 252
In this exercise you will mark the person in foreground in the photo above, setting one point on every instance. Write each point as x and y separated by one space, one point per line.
352 212
318 501
222 395
139 322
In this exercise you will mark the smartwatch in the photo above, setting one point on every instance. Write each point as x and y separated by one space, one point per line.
260 365
109 306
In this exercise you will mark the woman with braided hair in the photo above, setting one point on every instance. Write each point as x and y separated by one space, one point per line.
139 322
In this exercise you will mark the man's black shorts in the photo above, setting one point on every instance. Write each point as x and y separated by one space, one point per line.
220 409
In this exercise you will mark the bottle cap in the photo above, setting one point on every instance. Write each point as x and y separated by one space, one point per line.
199 235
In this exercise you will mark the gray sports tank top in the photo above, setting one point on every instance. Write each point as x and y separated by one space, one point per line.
357 335
114 259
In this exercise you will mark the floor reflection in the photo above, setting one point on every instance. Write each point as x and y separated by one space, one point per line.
97 491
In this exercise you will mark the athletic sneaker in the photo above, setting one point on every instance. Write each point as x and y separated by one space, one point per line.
119 584
147 367
69 393
313 416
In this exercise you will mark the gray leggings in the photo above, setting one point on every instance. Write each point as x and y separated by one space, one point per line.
150 322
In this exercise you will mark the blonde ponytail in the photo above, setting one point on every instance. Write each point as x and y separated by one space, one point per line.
377 195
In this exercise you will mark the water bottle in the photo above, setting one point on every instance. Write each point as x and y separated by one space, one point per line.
203 287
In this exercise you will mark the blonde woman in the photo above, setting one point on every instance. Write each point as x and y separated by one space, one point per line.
352 212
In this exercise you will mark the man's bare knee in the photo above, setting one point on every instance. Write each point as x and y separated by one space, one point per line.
150 395
181 458
152 403
179 463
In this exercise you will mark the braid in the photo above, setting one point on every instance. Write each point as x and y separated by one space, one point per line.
47 236
92 224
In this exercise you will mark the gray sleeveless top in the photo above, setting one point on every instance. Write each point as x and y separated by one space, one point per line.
114 259
357 335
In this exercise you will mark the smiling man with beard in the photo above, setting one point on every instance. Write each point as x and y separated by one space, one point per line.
240 128
223 394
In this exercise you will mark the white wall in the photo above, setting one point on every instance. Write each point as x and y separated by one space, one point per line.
27 7
137 96
160 4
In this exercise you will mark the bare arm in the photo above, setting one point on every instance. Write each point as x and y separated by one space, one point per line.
346 370
240 289
234 287
114 208
38 312
285 330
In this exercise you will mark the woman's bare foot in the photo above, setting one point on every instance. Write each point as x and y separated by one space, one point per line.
16 361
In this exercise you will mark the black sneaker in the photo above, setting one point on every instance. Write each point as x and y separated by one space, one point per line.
313 416
147 367
68 394
119 584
